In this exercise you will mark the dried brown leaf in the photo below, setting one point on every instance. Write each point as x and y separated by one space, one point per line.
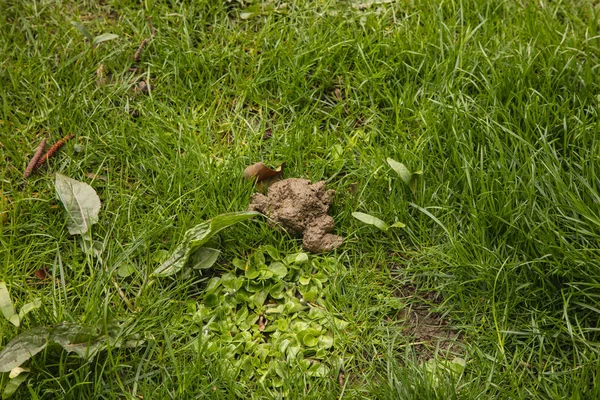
260 172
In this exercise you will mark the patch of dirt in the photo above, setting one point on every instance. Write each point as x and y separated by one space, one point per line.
427 330
300 208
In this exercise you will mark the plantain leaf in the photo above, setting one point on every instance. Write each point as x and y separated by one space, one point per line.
6 305
13 384
23 347
401 170
83 30
105 37
371 220
27 308
81 202
196 237
204 258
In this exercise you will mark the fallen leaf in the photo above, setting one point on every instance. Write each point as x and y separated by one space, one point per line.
260 172
41 273
81 202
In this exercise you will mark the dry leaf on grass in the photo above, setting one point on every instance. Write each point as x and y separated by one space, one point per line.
260 172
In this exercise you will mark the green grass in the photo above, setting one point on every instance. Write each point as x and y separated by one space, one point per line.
497 101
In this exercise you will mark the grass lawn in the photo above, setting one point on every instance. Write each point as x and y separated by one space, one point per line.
492 290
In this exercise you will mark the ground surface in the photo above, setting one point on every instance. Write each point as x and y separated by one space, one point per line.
496 101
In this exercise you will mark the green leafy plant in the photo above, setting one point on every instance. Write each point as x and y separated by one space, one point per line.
191 249
268 317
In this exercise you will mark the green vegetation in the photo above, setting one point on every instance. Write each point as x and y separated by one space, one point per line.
494 104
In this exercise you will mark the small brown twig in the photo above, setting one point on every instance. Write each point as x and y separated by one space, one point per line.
34 160
138 54
53 150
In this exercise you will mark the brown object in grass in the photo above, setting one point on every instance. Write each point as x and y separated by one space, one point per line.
260 172
301 208
138 54
53 150
34 160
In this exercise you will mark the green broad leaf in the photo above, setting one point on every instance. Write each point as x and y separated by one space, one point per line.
304 280
239 264
266 274
23 347
250 271
277 291
310 295
282 324
126 269
340 323
81 202
325 342
318 370
83 340
212 284
13 384
27 308
211 300
294 352
275 310
6 304
278 269
198 236
83 30
258 298
15 320
272 252
281 369
371 220
160 256
401 170
105 37
398 225
298 258
309 337
204 258
242 315
310 340
231 282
